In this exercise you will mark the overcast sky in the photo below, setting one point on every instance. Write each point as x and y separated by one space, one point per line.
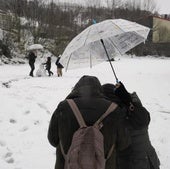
163 6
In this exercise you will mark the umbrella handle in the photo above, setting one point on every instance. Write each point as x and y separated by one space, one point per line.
109 60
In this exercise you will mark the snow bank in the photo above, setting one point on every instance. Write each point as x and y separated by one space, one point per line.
28 103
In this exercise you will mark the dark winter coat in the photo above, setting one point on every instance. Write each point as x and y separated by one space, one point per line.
92 104
48 63
58 64
140 154
31 58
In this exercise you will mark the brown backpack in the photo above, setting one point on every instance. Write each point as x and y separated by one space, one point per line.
87 147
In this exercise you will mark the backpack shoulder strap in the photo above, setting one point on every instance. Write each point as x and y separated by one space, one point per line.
76 112
110 109
98 124
110 151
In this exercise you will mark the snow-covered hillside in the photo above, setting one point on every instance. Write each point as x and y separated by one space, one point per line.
27 105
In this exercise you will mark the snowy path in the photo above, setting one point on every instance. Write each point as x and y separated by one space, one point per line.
27 105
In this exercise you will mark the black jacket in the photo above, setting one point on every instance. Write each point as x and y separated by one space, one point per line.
31 58
48 65
92 104
140 154
58 64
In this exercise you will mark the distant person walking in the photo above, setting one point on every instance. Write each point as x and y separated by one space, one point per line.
59 67
32 58
48 66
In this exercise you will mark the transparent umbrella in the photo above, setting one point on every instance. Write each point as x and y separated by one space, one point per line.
103 41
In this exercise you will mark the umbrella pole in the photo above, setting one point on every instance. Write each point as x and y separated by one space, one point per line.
109 60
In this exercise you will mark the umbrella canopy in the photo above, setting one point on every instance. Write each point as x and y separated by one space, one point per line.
102 40
34 47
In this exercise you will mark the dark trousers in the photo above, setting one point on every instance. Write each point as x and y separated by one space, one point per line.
32 69
49 72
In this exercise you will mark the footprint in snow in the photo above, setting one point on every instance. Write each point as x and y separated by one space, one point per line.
162 111
10 160
27 112
44 107
36 122
8 157
6 84
2 143
25 128
12 121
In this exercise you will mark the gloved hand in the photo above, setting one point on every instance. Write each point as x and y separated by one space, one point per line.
122 93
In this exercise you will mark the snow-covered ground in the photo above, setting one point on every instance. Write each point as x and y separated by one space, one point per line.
27 105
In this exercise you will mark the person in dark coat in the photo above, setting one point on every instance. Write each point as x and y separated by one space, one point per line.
32 58
140 154
48 66
88 96
59 67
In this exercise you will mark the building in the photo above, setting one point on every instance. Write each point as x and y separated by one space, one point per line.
159 36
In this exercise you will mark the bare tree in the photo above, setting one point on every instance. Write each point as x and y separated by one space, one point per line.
113 5
149 5
93 3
